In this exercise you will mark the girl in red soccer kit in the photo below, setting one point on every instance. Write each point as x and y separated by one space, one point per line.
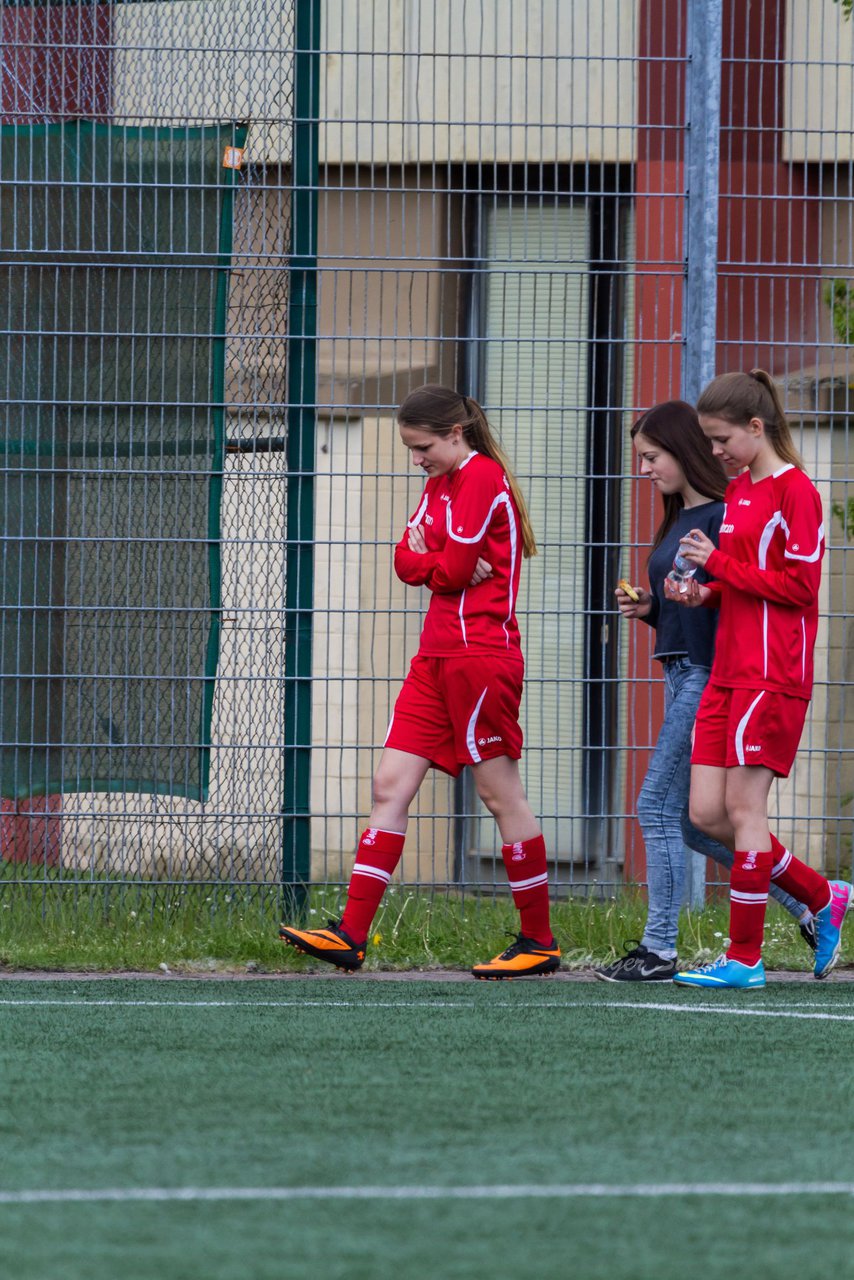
767 570
459 704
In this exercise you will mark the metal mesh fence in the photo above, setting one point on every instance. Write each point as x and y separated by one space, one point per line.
503 197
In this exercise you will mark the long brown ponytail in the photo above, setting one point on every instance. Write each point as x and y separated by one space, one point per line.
738 397
438 409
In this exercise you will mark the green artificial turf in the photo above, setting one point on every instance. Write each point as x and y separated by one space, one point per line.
352 1082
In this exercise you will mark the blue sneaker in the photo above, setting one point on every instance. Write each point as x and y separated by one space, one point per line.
828 925
723 973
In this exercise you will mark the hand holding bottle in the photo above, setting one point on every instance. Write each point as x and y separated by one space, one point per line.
690 593
694 550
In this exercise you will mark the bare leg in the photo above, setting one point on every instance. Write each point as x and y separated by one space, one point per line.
396 781
707 807
500 788
747 789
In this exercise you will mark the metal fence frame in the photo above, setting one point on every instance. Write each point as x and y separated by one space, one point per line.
361 265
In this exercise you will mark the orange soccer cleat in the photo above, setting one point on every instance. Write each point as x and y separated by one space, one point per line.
524 958
331 944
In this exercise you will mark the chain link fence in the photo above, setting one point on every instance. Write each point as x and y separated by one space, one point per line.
234 235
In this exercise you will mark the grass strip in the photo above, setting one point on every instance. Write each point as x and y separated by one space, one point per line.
102 927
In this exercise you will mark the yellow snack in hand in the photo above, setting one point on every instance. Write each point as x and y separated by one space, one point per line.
629 589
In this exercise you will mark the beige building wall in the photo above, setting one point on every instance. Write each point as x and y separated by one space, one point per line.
818 83
408 81
400 82
388 292
204 60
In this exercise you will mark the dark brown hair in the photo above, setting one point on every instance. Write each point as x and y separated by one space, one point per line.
675 427
738 397
439 409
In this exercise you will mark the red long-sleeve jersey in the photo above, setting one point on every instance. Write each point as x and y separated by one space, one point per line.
465 515
768 569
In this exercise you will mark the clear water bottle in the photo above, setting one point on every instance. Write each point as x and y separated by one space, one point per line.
682 572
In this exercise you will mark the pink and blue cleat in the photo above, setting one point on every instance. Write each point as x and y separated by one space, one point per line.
828 924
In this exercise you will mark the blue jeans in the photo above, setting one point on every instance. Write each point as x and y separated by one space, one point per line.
663 810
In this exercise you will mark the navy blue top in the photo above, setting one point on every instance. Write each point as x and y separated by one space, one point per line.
681 632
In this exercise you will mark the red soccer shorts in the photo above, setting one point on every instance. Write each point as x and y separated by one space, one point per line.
748 726
459 711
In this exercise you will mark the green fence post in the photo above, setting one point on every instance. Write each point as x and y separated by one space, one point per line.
301 397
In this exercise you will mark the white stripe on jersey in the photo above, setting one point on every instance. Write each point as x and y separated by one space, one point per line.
777 521
419 515
498 500
767 534
742 726
470 730
814 555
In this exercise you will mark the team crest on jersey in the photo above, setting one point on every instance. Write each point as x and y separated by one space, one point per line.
428 519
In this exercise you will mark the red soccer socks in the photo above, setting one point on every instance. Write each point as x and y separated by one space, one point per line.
526 870
748 898
796 878
750 878
376 858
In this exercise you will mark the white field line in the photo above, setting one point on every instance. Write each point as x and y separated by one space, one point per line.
558 1191
726 1011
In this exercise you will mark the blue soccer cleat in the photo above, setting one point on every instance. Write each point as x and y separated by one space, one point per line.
724 973
828 927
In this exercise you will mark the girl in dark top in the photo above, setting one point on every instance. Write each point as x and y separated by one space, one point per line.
676 456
